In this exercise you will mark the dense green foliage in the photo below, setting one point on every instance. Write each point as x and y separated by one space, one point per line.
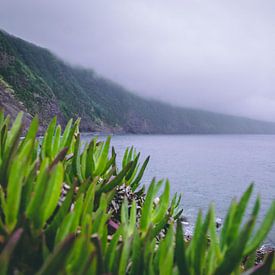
47 86
56 214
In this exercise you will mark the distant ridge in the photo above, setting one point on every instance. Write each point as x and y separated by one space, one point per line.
34 80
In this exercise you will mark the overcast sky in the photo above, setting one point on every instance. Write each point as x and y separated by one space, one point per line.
212 54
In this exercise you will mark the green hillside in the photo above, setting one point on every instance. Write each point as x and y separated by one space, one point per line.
34 80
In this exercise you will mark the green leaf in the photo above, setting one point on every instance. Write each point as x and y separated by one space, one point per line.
70 222
31 134
101 217
133 170
167 253
88 204
7 251
135 183
111 250
180 256
37 194
124 256
233 255
124 212
160 226
62 212
12 141
214 255
79 256
239 214
3 203
83 161
46 150
147 208
76 160
15 184
190 251
56 141
125 156
200 244
163 204
130 155
136 257
52 193
110 164
96 241
262 231
56 261
14 133
66 135
103 159
90 164
227 224
116 181
70 140
133 218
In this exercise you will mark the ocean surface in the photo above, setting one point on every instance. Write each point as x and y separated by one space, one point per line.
208 168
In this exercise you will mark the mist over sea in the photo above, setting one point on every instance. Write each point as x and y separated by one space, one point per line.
208 168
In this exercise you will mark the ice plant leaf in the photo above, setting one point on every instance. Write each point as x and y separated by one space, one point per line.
262 231
8 250
56 261
180 255
163 205
136 181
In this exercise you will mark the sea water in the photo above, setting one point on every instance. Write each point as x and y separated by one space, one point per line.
208 168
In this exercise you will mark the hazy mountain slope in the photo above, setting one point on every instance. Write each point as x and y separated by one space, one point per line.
47 86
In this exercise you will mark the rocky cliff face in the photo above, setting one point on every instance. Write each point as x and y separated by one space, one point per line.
10 105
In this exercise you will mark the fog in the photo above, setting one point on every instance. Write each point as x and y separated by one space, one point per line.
217 55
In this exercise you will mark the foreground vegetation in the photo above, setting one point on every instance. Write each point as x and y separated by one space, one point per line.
66 209
47 86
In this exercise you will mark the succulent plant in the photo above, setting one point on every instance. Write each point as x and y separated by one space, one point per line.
65 209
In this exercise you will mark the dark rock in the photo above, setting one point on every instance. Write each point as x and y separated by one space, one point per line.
218 223
183 219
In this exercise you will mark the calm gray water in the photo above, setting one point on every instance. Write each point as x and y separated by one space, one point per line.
208 168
